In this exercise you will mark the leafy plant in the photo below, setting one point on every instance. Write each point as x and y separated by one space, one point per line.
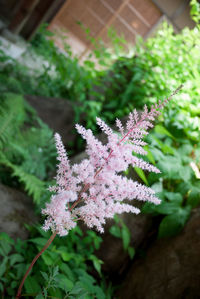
178 187
27 148
195 11
66 270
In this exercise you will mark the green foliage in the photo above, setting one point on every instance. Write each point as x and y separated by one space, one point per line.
102 54
178 185
27 148
65 270
12 116
120 230
195 11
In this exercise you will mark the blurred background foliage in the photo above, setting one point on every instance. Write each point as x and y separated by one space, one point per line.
110 87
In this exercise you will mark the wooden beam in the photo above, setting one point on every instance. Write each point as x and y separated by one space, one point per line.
22 16
49 14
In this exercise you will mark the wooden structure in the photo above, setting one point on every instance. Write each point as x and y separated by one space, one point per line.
128 17
24 16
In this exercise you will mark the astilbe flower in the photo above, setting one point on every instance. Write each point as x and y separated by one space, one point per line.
94 189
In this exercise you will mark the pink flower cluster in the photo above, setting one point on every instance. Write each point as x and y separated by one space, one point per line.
95 184
95 189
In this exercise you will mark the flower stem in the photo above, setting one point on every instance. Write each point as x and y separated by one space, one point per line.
33 262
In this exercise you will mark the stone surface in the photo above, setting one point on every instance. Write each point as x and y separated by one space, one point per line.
9 47
16 209
170 268
58 114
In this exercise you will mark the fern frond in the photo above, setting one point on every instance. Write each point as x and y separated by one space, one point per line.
34 186
12 115
28 153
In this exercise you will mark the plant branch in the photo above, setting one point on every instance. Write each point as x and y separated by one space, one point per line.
33 262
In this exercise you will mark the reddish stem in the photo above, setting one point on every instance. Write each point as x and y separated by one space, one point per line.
85 188
33 262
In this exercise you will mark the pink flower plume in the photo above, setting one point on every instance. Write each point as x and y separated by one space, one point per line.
94 189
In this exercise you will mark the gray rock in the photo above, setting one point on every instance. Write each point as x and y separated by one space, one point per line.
16 209
170 268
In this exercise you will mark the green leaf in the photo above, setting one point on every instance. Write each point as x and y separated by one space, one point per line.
185 173
97 242
157 187
174 197
115 231
54 292
6 238
39 241
96 263
31 285
171 225
87 283
126 237
55 270
66 256
45 275
49 257
167 208
149 155
194 197
21 268
77 289
99 293
33 185
171 167
89 63
141 174
78 230
16 258
166 149
185 149
64 283
14 284
149 208
3 266
117 219
66 269
5 248
131 252
161 130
